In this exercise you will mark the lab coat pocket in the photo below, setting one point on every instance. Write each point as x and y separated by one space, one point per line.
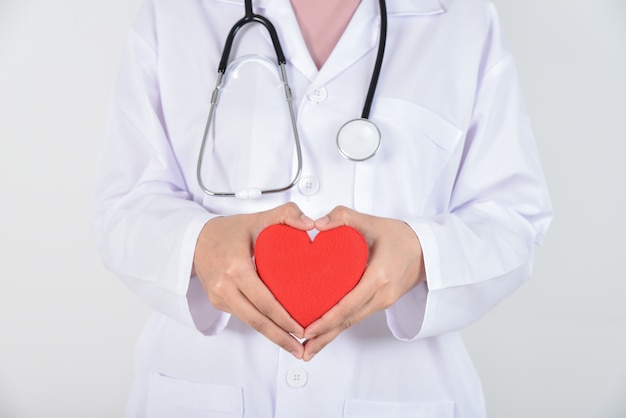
173 398
417 144
376 409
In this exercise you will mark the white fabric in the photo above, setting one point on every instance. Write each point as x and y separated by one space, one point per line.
457 163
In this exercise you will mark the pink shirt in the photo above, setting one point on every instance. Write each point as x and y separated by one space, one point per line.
322 22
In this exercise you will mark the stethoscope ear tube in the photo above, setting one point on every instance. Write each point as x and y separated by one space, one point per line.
249 18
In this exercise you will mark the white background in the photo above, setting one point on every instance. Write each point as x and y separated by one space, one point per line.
557 348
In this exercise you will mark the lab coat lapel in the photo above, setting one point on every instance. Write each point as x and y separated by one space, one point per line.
363 33
414 7
281 13
360 37
282 16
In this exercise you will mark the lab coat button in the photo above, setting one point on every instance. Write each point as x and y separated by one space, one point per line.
308 185
318 95
296 378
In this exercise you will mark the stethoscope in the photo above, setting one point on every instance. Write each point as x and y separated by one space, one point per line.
357 140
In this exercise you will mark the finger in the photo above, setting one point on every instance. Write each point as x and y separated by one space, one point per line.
375 291
265 303
248 313
314 345
337 217
241 276
288 214
344 313
241 299
343 216
294 217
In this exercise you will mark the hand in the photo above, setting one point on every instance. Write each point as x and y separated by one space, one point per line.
395 266
223 263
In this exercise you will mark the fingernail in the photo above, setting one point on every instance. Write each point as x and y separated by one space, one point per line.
296 354
323 221
306 219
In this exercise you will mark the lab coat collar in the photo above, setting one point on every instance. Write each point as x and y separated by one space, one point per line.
394 7
414 7
362 34
351 46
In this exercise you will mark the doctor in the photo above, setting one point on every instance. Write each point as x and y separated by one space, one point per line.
451 204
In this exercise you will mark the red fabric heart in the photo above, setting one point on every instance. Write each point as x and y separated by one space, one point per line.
310 277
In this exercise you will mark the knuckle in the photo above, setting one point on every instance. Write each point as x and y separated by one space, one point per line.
387 300
232 272
383 279
230 268
346 324
217 303
342 212
219 287
315 346
265 308
258 325
385 292
216 292
285 343
387 297
216 287
340 320
291 208
333 317
380 276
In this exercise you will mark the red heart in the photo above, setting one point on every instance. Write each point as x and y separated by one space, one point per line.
308 278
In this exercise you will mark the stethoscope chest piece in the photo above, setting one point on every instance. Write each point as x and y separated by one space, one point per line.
358 139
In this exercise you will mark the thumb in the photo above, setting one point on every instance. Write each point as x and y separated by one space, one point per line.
342 216
289 214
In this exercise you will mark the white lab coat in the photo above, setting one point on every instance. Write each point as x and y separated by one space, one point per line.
457 163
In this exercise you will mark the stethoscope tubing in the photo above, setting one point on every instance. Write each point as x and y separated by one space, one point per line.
251 17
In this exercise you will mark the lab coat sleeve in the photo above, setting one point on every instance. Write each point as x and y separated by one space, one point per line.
146 223
481 249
